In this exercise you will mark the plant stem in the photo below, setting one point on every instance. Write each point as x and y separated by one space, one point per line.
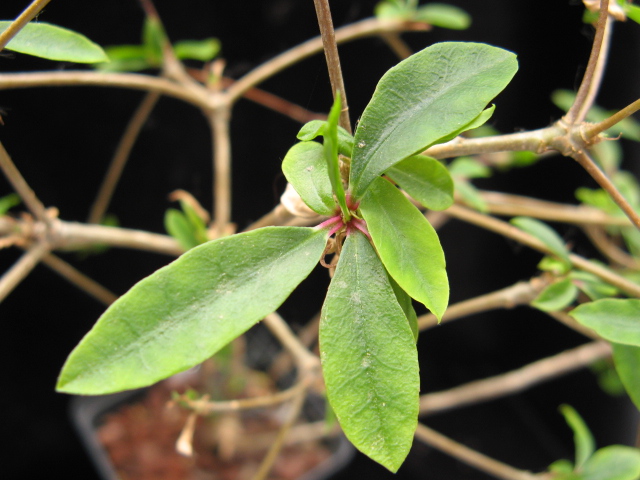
599 176
396 44
509 231
611 251
521 293
590 81
516 380
21 186
471 457
80 280
19 270
304 359
323 12
120 157
591 130
219 121
25 17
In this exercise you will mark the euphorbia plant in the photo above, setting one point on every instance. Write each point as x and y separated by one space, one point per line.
185 312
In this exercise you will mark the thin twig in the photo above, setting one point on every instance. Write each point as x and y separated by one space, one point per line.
21 186
219 122
591 130
599 176
521 293
274 451
25 17
120 157
573 324
516 380
19 270
396 44
304 359
510 231
79 279
612 252
581 103
471 457
323 12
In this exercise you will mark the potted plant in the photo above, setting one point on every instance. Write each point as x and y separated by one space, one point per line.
360 198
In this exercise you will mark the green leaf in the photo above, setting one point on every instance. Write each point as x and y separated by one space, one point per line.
305 168
553 265
468 167
154 39
592 286
545 234
126 58
7 202
404 300
187 311
614 319
423 99
470 195
615 462
425 179
177 225
315 128
330 146
633 12
627 362
369 357
472 125
198 226
582 438
407 244
563 470
203 50
445 16
556 296
54 43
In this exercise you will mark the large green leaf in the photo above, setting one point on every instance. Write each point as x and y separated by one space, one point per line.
305 167
54 43
424 98
369 357
425 179
185 312
615 462
627 362
614 319
407 244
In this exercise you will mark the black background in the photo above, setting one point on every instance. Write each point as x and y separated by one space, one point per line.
62 140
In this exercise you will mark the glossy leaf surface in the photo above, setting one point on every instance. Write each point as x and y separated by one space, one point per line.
407 244
425 179
54 43
369 357
185 312
613 319
305 168
421 100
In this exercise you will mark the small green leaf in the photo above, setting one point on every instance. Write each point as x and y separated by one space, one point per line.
582 438
425 179
315 128
198 226
305 168
423 99
54 43
154 39
369 357
627 362
556 296
563 470
187 311
445 16
407 244
553 265
615 462
468 167
592 286
203 50
614 319
545 234
177 225
7 202
633 12
126 58
470 195
330 146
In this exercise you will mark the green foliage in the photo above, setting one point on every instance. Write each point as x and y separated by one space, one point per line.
436 14
545 234
425 179
447 85
149 54
614 319
330 147
615 462
407 244
185 226
187 311
627 362
369 357
54 43
7 202
556 296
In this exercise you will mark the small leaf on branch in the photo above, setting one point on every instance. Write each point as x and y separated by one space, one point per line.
614 319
